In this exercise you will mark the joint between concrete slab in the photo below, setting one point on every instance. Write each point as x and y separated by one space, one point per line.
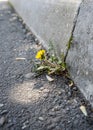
71 37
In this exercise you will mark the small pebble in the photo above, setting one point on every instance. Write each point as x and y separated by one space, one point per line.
29 75
36 39
1 105
23 127
13 19
59 93
41 118
56 108
46 90
67 109
2 120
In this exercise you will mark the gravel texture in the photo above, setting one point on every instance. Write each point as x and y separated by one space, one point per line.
28 102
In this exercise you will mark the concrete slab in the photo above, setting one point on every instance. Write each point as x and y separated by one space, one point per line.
50 20
80 56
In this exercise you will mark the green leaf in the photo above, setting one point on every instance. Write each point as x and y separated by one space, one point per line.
59 62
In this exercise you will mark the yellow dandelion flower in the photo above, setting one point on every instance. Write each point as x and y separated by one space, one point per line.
40 54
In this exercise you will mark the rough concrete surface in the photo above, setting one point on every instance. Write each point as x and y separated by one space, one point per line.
50 20
80 56
27 102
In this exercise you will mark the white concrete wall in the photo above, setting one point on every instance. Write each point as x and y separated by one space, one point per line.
50 20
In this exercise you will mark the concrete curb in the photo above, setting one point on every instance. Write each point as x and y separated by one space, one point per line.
80 56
